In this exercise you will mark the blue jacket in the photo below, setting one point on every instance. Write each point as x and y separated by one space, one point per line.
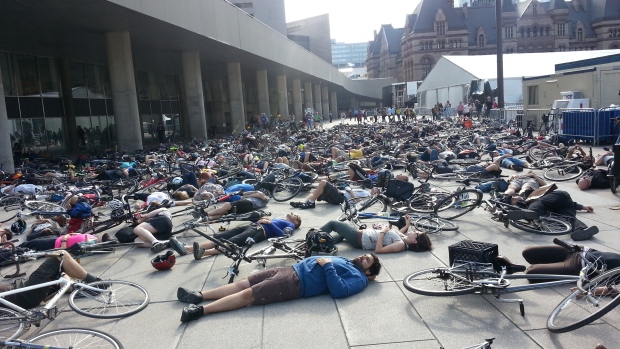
276 228
340 278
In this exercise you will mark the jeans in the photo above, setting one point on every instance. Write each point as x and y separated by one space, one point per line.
507 162
343 231
426 156
190 178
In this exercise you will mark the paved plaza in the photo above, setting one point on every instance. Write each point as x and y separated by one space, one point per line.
384 316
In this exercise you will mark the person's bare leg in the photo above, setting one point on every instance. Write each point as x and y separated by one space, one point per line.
207 245
226 290
511 191
220 211
318 191
71 267
145 233
234 301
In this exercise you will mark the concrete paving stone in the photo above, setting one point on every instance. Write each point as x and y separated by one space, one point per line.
309 323
387 302
239 329
428 344
156 326
586 337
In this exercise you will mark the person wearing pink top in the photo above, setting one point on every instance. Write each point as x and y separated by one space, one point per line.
68 240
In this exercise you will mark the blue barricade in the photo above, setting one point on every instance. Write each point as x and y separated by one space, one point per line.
579 124
607 131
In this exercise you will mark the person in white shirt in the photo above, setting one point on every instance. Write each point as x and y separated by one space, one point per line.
29 189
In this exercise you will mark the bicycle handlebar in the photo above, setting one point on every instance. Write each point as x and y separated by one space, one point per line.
572 248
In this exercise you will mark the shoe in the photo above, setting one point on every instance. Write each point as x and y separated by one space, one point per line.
306 204
185 296
177 246
517 168
159 246
511 268
516 215
584 234
529 159
198 251
297 204
190 313
90 293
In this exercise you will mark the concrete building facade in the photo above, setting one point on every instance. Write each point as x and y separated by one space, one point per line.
122 73
313 34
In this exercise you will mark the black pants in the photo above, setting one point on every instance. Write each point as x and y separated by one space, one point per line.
559 202
240 234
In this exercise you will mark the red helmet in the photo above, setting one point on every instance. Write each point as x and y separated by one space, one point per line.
164 261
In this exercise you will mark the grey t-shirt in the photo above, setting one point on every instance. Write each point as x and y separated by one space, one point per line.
370 237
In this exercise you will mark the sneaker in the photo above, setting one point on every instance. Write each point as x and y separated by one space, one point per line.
501 261
190 313
159 246
584 234
516 215
185 296
529 159
90 293
296 204
198 251
177 246
307 204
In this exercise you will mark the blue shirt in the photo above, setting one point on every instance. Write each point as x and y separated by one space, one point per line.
340 278
237 187
276 228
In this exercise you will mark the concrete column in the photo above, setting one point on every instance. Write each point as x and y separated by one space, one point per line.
194 94
297 108
70 133
318 106
235 93
124 95
6 154
217 102
325 100
263 91
333 102
283 94
308 95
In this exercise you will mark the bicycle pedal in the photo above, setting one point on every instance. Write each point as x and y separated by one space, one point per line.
222 228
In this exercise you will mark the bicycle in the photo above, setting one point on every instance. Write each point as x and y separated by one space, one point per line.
467 277
67 338
464 201
107 299
297 251
613 170
569 169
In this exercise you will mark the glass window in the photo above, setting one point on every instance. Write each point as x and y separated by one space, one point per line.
107 87
94 81
28 74
50 77
78 80
481 42
164 92
579 34
142 82
172 87
8 74
153 88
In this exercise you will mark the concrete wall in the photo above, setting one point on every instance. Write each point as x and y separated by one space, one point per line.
549 88
317 30
223 22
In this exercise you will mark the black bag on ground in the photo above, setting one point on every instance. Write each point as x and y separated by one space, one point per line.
126 235
40 244
399 190
319 241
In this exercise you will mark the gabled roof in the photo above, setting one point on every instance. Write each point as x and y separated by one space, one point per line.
601 9
426 11
508 6
574 18
557 5
410 22
393 37
481 17
521 7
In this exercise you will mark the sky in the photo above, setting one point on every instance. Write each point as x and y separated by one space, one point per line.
353 21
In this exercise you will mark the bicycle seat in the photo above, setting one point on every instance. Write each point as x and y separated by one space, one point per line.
400 223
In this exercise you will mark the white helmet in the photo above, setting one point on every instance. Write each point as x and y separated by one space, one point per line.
177 180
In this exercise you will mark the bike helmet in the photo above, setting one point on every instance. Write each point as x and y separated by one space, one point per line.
177 181
115 205
18 227
164 261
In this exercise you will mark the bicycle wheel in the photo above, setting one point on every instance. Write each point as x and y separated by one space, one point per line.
613 182
11 324
434 224
543 226
11 203
126 298
438 282
578 310
425 203
458 204
76 338
563 172
286 189
372 204
538 153
43 206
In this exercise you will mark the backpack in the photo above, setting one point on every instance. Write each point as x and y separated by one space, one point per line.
359 171
81 210
399 190
383 177
319 241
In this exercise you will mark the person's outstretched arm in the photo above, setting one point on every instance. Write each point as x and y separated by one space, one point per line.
339 287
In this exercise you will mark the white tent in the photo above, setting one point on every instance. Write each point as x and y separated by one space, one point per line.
450 77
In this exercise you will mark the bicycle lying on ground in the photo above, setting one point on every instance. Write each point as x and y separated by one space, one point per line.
68 338
107 299
593 297
464 201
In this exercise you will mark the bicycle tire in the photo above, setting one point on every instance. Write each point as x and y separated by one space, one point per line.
12 324
44 206
76 338
104 306
563 172
438 282
286 189
544 226
574 312
425 203
103 226
538 152
458 204
11 203
372 204
434 224
613 182
185 226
